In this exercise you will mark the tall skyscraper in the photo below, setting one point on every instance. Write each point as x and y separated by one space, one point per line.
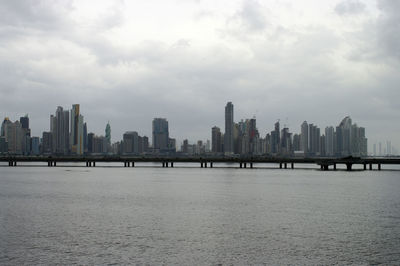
108 133
304 137
216 140
329 141
14 135
59 128
228 141
275 139
76 130
160 134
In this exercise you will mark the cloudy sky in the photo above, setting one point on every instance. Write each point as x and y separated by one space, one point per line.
130 61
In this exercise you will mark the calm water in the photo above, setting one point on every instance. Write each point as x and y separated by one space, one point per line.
149 215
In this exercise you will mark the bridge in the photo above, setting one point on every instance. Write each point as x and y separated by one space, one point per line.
207 161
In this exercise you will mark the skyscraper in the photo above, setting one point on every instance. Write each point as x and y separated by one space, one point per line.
108 133
329 141
160 134
216 140
76 130
59 128
228 141
304 137
13 134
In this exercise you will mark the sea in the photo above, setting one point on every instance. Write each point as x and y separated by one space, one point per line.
187 215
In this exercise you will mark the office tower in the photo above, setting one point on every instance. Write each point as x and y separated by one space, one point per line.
286 144
76 130
35 143
322 147
130 142
389 147
145 141
14 135
374 150
172 144
350 139
160 134
26 134
216 140
3 145
47 143
59 128
314 137
185 146
228 141
24 120
85 138
329 141
90 142
108 133
275 139
296 142
99 144
304 137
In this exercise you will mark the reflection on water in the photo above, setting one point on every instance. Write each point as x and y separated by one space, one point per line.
189 215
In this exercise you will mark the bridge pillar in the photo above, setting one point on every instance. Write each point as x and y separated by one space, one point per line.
55 163
15 163
241 165
90 164
94 164
379 166
292 165
172 164
280 165
245 165
285 165
205 164
49 163
322 167
163 164
133 164
365 166
211 165
334 166
348 166
251 165
166 164
370 166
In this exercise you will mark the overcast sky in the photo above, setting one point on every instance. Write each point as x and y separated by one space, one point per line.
130 61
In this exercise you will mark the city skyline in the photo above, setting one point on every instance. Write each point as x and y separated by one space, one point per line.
74 137
133 61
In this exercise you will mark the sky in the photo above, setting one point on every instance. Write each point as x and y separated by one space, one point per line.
128 62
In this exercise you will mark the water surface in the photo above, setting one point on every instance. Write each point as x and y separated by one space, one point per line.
189 215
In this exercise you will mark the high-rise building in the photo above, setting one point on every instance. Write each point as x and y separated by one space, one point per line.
59 128
131 142
304 137
329 141
275 139
160 134
228 141
14 136
34 150
47 143
108 133
85 138
216 140
76 130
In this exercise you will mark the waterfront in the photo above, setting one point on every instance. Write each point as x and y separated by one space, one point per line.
189 215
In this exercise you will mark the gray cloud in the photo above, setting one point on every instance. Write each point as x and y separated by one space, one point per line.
299 73
350 7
